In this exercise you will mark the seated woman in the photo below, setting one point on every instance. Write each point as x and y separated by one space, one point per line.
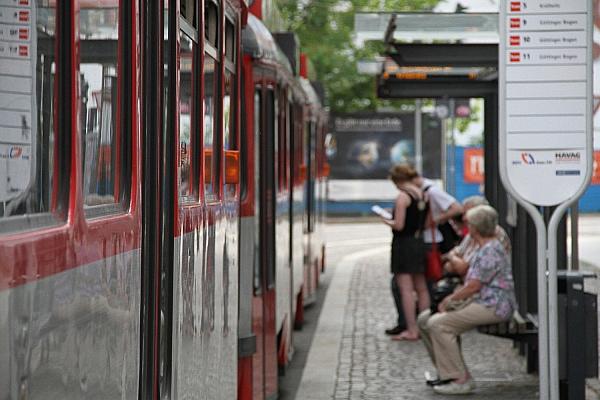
489 284
457 260
456 264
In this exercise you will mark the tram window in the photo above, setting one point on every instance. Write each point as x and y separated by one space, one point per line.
30 144
283 144
290 144
229 103
229 40
188 11
229 129
269 183
244 156
258 123
279 144
211 23
211 150
299 162
229 137
187 118
289 126
100 78
273 132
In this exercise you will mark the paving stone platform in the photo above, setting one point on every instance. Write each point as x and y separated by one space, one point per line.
352 358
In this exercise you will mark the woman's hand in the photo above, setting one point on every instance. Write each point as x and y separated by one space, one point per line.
388 222
444 304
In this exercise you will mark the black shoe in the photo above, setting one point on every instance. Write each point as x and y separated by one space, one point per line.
395 330
438 381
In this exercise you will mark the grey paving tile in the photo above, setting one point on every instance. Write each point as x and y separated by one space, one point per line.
375 368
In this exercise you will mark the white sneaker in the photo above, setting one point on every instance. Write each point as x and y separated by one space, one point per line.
455 388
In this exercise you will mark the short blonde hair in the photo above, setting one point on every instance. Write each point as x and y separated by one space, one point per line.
474 201
483 219
402 173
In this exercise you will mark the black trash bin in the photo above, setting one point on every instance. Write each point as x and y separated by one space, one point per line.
577 334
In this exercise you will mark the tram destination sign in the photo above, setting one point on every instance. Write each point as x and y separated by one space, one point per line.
546 98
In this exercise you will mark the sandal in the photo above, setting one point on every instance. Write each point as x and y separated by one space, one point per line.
406 335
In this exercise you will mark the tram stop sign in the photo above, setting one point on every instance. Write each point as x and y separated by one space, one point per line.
545 94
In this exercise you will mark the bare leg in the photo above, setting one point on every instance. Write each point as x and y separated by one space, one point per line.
405 282
422 291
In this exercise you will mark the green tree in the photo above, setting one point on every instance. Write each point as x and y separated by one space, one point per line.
324 28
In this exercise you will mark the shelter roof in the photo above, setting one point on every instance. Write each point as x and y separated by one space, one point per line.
428 27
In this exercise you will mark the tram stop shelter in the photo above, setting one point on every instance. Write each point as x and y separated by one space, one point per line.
430 55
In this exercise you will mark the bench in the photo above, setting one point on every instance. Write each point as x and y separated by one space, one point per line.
518 328
524 333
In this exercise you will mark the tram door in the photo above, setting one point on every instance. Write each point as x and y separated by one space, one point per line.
264 307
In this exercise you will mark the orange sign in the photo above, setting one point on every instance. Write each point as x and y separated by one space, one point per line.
596 170
473 165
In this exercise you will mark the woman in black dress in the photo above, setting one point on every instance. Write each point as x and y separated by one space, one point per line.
408 251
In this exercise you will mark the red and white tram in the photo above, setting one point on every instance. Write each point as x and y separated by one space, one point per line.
281 251
160 201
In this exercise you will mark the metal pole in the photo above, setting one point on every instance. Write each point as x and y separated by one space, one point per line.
544 350
553 298
418 137
451 156
444 163
575 237
542 284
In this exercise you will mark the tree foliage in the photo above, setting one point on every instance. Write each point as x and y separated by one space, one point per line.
325 28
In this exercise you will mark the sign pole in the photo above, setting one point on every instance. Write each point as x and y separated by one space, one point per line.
545 141
557 216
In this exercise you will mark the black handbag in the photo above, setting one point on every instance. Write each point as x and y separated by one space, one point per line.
442 289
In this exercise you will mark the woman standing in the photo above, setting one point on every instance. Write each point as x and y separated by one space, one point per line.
408 251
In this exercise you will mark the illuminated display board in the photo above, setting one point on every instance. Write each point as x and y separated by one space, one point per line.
420 73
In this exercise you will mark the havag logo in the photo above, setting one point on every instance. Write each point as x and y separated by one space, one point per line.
527 158
570 157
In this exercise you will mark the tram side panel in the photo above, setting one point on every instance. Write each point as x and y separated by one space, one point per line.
265 208
297 214
282 234
311 270
320 193
313 148
69 287
205 289
259 377
248 252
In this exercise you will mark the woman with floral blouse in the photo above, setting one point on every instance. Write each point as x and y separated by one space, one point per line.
489 296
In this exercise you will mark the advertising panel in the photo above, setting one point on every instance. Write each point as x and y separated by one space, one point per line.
366 146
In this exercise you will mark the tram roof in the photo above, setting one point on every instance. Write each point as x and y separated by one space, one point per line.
259 43
311 94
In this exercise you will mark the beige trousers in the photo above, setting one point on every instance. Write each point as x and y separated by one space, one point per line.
441 332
